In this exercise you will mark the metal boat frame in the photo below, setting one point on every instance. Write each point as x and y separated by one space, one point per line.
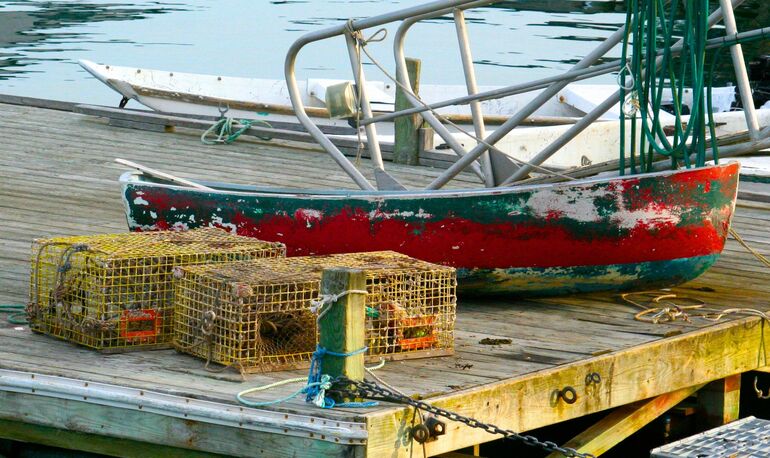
492 166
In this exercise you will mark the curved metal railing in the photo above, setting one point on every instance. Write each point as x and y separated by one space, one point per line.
496 168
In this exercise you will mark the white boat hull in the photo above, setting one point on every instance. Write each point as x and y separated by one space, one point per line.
251 98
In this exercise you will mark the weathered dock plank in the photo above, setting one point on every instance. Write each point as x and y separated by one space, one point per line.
62 181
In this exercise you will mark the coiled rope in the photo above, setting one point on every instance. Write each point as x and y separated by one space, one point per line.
651 25
225 131
16 313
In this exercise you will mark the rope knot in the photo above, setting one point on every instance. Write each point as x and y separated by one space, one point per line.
358 35
317 306
320 399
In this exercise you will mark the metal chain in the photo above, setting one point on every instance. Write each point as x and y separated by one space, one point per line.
371 390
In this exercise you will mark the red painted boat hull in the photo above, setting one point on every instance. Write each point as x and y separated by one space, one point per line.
619 233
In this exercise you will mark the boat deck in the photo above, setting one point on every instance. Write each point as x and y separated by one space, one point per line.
57 178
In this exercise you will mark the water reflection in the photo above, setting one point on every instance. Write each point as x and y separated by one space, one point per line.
41 41
562 6
42 27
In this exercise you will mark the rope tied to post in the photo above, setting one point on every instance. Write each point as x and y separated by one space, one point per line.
318 306
317 388
317 383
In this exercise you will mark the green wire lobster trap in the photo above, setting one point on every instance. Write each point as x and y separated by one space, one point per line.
114 292
256 315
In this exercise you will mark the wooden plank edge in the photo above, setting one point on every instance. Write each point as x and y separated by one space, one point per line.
156 429
159 117
35 102
92 443
153 121
629 375
754 196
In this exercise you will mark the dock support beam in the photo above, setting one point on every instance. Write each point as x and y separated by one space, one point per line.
341 324
624 421
719 402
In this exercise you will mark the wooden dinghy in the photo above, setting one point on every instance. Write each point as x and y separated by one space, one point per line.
641 231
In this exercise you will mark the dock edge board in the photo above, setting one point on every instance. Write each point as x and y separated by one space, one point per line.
191 411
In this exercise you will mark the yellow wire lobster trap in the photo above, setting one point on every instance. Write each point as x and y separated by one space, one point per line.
256 315
114 292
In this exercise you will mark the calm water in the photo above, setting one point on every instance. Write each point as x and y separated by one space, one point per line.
40 42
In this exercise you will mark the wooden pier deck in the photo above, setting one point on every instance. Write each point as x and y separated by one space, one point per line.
57 178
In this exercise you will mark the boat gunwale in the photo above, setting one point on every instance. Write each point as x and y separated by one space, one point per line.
138 178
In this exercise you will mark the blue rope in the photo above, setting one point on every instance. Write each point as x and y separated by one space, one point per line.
315 389
244 401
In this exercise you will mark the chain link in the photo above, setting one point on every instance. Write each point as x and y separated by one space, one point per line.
371 390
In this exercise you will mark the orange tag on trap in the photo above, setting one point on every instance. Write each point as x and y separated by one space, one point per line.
139 325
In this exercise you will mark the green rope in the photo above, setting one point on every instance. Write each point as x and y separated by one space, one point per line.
223 129
18 315
653 33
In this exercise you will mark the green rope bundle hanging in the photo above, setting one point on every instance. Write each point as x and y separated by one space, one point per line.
651 69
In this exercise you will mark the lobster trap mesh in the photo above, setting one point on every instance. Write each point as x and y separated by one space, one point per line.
114 292
256 315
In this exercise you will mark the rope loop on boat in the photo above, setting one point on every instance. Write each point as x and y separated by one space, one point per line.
378 36
626 79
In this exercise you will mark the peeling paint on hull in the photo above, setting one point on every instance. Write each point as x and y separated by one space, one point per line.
619 233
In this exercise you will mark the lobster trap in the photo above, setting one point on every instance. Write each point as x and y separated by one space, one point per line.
256 315
114 292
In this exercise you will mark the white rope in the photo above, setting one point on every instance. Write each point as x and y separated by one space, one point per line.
317 306
325 385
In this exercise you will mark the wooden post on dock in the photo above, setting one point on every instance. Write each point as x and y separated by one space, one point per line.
342 326
407 141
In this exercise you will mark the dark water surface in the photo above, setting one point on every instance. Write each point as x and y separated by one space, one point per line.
515 41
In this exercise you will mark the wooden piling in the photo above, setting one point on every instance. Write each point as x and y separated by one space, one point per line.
407 136
342 326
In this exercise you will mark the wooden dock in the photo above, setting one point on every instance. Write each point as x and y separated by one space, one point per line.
57 177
